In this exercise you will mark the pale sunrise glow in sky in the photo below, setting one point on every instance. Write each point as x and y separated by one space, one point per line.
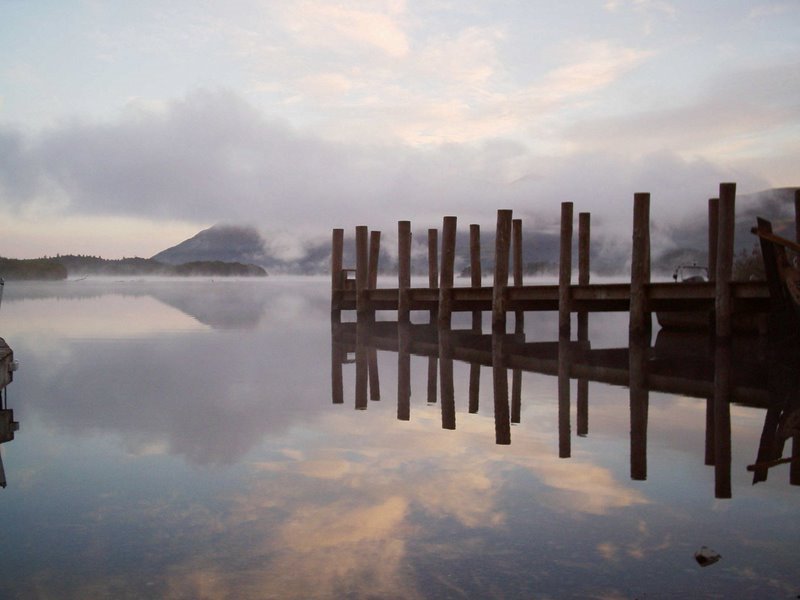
126 127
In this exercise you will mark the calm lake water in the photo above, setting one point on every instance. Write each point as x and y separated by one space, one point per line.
180 440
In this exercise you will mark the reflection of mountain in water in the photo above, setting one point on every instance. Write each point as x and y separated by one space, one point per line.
765 376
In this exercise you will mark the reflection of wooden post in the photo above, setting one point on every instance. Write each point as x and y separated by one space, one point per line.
502 423
565 271
713 230
403 270
362 271
337 376
446 274
362 362
374 255
446 376
433 267
516 395
722 418
583 407
337 253
501 250
640 266
433 378
564 434
639 403
722 300
374 379
403 371
584 229
475 269
474 386
516 246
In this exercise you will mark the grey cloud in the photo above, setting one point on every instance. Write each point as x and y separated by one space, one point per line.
212 157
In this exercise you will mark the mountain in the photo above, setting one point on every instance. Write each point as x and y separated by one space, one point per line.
680 243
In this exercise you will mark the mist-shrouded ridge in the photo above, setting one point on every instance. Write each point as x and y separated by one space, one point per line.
672 244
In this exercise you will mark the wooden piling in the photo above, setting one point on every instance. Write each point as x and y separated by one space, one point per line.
582 425
337 259
565 271
722 418
516 395
374 377
474 387
362 270
564 425
447 271
640 266
501 253
403 371
639 405
403 271
502 420
584 236
433 267
475 270
337 376
374 256
516 251
448 404
433 378
724 267
362 361
713 230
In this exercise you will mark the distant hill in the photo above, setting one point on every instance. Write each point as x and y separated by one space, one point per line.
31 269
684 242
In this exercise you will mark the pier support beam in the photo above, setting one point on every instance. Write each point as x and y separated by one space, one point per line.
501 252
713 231
516 247
640 318
724 266
475 270
584 236
362 271
433 267
446 275
565 271
337 254
403 271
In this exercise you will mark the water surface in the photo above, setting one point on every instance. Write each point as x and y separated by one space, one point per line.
180 440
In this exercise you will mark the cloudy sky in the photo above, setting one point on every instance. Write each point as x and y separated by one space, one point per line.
125 127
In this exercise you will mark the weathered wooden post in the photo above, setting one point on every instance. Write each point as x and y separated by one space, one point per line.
564 425
433 268
446 376
724 270
337 258
362 271
502 421
363 327
374 377
404 371
501 254
565 271
639 405
722 418
403 271
640 267
374 255
475 269
582 424
713 230
516 247
516 395
474 387
584 236
433 378
337 376
447 271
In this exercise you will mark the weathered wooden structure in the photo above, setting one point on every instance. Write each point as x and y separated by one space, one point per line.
719 296
8 426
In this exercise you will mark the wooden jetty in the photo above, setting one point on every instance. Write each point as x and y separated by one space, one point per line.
357 290
8 426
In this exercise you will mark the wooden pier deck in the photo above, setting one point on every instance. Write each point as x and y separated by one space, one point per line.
723 299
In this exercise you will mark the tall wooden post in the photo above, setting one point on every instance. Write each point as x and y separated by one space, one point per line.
362 271
564 424
639 405
640 267
337 376
565 271
502 421
724 270
447 271
501 252
474 387
433 267
403 371
584 236
337 253
722 419
447 388
403 271
363 326
516 247
713 231
374 256
433 378
475 269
